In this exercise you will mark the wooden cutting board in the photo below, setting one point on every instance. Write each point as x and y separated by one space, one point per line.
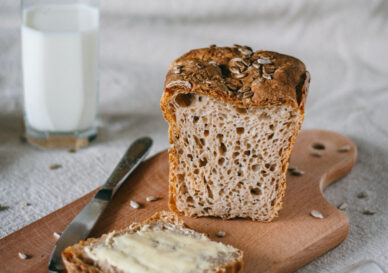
292 240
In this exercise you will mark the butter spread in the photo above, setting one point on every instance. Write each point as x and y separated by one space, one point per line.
152 249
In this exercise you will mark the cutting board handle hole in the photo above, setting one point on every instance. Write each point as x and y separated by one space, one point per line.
318 146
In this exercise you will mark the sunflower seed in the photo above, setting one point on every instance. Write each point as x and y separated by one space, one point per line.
177 69
72 150
213 45
55 166
296 172
56 235
362 194
240 76
263 61
316 154
3 207
214 63
235 70
256 65
267 76
25 204
151 198
343 206
23 256
245 50
237 45
179 83
134 204
369 212
344 149
221 234
316 214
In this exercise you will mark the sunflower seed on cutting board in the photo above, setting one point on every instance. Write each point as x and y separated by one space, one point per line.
55 166
23 256
316 154
151 198
316 214
134 204
344 149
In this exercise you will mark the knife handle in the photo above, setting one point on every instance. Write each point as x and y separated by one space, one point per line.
131 159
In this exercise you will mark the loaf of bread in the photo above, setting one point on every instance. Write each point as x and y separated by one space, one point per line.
233 116
161 244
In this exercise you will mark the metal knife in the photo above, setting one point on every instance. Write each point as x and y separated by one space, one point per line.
83 223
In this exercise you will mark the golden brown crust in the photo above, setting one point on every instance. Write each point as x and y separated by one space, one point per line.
76 262
239 76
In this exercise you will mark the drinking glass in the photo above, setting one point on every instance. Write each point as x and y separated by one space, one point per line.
60 43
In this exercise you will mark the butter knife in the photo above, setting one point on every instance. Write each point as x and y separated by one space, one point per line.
83 223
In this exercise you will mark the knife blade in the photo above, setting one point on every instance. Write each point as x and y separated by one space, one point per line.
83 223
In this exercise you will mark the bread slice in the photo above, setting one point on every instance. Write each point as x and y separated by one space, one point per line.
233 116
160 244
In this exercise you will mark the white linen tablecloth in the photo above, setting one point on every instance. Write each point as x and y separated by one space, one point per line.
344 45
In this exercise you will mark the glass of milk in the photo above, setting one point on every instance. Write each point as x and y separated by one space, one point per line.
60 71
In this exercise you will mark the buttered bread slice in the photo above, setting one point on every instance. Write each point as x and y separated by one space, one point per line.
160 244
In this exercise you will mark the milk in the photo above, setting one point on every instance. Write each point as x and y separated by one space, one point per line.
60 60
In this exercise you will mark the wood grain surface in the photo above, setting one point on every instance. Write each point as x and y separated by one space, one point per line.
290 241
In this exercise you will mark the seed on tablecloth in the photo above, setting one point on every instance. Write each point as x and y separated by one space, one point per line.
221 234
316 214
343 206
369 212
55 166
151 198
3 207
134 204
362 195
72 150
25 204
23 256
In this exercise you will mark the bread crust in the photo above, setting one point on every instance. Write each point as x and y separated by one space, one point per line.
239 76
76 262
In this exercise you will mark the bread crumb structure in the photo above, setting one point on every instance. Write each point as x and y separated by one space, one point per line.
233 116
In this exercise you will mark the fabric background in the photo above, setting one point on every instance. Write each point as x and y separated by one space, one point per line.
344 45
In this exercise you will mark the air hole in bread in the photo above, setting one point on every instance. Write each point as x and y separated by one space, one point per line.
185 99
195 119
236 154
270 136
222 148
202 162
240 130
199 98
318 146
255 191
190 156
196 171
247 152
241 110
221 161
220 136
202 141
209 192
255 167
206 133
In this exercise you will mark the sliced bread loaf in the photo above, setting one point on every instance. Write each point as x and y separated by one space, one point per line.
161 244
233 116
